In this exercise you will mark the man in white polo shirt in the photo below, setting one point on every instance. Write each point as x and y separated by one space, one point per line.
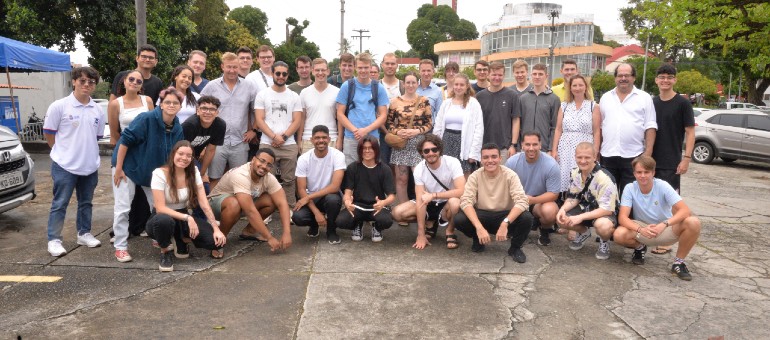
72 126
628 126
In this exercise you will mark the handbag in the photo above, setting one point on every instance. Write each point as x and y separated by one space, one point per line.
394 140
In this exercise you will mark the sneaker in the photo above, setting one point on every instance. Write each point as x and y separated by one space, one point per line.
333 238
55 248
603 252
517 254
358 233
639 256
680 270
544 239
477 247
123 255
112 239
313 231
88 240
166 262
376 234
143 233
579 240
268 219
181 249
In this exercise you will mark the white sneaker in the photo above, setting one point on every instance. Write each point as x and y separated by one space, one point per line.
268 219
55 248
88 240
143 233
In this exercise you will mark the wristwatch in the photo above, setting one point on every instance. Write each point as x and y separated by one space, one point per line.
254 130
666 223
506 221
285 137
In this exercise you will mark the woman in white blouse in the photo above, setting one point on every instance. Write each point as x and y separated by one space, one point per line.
460 124
176 189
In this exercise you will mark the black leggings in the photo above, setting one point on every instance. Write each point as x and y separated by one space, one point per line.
162 227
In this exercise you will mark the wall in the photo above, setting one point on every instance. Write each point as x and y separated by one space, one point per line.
51 85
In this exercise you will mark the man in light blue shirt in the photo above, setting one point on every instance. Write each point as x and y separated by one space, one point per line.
363 114
660 217
541 178
427 88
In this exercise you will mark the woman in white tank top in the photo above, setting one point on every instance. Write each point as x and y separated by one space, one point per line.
130 103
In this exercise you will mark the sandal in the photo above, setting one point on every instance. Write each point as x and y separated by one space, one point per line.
245 237
403 224
217 254
451 241
661 250
431 232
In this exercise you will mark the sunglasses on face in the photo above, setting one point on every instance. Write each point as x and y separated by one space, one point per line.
86 82
135 80
281 74
429 150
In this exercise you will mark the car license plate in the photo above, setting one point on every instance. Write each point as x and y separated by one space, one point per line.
10 180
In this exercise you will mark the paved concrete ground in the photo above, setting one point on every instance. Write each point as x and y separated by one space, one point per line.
390 290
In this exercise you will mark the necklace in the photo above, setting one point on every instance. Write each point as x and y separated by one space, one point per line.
370 167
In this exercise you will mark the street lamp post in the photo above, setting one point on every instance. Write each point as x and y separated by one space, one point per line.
646 51
554 14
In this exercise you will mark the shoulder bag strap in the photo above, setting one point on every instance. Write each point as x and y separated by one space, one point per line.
436 178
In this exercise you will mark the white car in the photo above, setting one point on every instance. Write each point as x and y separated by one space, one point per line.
17 174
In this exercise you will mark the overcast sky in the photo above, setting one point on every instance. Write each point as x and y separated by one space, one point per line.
387 20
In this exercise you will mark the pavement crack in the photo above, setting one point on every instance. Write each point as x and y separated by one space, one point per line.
311 271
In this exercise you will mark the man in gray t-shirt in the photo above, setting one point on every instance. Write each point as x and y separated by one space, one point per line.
541 178
539 108
498 105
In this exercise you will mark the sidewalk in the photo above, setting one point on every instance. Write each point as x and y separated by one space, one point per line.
390 290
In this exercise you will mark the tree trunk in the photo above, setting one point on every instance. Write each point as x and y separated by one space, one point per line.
756 87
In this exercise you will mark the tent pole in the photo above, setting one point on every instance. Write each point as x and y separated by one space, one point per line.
13 105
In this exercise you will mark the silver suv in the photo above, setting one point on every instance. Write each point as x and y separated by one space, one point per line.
17 175
732 135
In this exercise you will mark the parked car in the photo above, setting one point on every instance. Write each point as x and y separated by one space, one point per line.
106 137
732 135
17 175
696 111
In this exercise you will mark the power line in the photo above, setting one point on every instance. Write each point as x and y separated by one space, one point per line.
360 38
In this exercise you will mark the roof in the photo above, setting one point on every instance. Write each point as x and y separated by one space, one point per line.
20 56
21 87
408 61
622 51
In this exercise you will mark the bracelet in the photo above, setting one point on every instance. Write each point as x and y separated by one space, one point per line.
687 157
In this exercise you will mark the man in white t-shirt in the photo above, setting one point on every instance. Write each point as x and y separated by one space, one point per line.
319 106
319 176
262 77
279 114
72 126
439 183
660 217
253 191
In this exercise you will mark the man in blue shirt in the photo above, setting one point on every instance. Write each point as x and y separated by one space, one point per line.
429 89
540 175
660 217
363 115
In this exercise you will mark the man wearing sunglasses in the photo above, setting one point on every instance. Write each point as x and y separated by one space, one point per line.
279 115
146 60
439 183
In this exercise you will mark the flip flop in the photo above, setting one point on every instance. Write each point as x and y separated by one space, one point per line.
244 237
660 251
451 242
217 254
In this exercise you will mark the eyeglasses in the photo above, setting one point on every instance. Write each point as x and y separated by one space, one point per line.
171 103
666 77
85 82
207 109
482 70
265 57
146 57
136 81
265 163
281 74
429 150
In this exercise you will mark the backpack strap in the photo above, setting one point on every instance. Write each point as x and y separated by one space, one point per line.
351 93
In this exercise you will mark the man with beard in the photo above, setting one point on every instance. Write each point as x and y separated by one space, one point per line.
319 176
253 191
279 114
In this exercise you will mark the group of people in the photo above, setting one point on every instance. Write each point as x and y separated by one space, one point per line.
336 152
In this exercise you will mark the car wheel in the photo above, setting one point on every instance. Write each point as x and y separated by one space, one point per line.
728 160
703 153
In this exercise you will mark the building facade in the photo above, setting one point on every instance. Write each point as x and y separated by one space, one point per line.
464 53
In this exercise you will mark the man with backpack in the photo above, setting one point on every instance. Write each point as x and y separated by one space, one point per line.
592 201
362 106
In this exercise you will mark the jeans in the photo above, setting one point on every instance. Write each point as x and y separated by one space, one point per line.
123 196
517 230
385 150
329 204
64 182
162 227
350 150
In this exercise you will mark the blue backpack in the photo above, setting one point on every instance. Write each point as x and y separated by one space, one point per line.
352 92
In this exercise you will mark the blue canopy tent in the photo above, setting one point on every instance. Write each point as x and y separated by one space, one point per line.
17 56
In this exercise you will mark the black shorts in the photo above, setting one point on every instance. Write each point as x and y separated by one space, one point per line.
670 176
433 211
590 223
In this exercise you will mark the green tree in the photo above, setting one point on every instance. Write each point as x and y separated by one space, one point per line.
599 38
468 71
403 70
736 31
689 82
434 25
408 54
296 45
652 65
254 19
602 82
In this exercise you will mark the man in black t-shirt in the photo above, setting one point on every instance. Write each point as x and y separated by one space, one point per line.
369 191
498 105
676 124
146 59
205 131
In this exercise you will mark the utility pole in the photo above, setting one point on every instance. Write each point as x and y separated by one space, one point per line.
342 27
554 14
141 22
360 38
646 52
